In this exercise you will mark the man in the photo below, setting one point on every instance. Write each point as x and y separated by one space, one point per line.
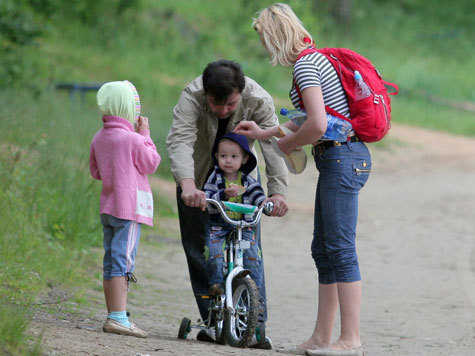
210 106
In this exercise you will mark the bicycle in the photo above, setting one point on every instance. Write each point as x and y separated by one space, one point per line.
234 313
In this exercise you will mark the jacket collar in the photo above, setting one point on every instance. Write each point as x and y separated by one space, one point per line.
116 121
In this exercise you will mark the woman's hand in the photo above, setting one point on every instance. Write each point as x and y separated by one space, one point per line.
251 130
286 145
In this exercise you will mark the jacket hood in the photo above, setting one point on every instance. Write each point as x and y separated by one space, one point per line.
241 140
119 99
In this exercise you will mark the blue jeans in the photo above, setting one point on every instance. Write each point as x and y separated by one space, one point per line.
215 242
121 239
343 170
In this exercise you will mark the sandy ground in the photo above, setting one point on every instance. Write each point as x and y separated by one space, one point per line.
416 250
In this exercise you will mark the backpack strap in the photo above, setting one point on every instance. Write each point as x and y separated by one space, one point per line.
309 50
389 84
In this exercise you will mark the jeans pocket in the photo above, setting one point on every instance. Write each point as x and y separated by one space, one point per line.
361 171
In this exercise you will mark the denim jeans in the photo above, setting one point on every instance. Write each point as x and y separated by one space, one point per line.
343 171
193 223
215 241
121 239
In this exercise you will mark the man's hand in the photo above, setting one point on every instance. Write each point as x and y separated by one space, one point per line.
191 196
280 205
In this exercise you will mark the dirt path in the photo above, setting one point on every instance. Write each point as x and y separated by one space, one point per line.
416 251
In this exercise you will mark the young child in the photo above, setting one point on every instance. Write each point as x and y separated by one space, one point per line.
121 158
231 181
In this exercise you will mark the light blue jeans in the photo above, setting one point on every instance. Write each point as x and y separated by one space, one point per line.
121 238
343 170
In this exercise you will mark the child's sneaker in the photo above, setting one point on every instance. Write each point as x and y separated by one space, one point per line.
216 289
112 326
207 334
260 340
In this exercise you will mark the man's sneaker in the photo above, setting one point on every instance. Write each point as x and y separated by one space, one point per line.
112 326
207 334
216 289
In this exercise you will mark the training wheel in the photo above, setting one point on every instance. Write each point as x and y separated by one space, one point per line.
185 328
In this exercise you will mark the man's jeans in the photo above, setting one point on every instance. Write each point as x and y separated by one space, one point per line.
343 170
193 223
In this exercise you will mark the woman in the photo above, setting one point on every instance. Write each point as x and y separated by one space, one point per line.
340 179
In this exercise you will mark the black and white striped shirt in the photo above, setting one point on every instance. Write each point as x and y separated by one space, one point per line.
315 70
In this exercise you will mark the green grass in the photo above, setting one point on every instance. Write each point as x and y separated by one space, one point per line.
49 217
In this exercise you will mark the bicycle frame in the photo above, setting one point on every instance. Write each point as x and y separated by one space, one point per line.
238 245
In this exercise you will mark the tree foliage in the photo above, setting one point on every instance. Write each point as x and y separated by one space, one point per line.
23 23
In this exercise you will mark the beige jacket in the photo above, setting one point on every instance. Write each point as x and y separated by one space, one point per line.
194 130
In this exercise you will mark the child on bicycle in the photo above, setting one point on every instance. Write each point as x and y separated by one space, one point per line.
230 181
121 157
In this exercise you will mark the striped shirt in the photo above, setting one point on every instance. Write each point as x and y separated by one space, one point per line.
215 185
315 70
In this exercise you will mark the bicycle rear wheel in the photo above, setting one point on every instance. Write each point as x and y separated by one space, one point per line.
240 325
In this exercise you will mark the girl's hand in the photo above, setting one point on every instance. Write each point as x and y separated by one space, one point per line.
142 123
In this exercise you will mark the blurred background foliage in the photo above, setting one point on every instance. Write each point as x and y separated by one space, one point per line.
48 220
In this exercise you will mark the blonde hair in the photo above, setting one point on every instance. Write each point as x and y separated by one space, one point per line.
282 33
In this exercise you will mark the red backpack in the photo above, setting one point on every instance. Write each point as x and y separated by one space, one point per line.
370 117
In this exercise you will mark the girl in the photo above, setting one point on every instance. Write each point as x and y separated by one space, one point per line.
121 158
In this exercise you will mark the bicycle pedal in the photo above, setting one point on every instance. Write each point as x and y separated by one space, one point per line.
204 296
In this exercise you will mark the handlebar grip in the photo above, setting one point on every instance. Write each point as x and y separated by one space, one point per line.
268 207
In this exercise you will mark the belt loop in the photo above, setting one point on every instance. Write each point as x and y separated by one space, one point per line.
349 143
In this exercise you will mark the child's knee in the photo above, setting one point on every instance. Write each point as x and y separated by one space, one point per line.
214 249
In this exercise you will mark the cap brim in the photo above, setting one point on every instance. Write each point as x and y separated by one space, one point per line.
295 162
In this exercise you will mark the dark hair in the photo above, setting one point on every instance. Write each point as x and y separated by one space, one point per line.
222 78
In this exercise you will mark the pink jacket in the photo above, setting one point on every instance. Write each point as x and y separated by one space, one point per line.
122 158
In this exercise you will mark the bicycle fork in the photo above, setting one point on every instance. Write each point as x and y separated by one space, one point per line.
235 266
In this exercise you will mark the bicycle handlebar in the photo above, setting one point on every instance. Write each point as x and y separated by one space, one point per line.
266 209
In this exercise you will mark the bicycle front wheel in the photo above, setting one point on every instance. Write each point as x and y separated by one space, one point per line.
240 325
